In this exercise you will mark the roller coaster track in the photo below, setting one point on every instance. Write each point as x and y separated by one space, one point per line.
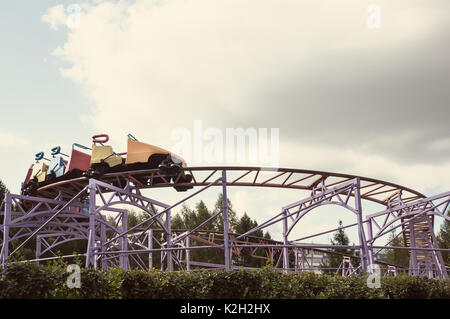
215 238
373 190
402 207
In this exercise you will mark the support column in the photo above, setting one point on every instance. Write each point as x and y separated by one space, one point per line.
225 221
123 259
188 254
102 245
440 264
38 248
150 246
296 260
169 241
362 237
285 242
413 266
90 257
370 249
6 222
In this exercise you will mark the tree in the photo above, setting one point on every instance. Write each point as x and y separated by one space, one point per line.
398 257
3 191
244 224
190 218
334 261
444 239
232 216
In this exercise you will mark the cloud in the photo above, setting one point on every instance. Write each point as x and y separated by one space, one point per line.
55 17
11 140
346 98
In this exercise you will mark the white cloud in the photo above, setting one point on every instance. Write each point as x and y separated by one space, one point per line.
154 65
421 177
55 17
12 140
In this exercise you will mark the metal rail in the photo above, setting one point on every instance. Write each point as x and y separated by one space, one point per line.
373 190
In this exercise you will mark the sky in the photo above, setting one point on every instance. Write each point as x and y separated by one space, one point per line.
346 97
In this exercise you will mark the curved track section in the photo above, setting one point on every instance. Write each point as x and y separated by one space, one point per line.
50 208
373 190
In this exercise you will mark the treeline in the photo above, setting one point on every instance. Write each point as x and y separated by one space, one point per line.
189 218
29 280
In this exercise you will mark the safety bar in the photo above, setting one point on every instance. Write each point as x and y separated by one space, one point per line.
81 146
131 137
57 150
101 138
114 154
39 156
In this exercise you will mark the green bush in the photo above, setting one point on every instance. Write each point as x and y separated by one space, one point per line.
27 280
408 287
352 287
308 285
138 284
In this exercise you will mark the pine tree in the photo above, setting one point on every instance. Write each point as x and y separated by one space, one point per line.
444 239
396 256
334 261
3 191
232 216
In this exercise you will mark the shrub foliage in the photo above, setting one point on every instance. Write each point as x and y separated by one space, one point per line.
27 280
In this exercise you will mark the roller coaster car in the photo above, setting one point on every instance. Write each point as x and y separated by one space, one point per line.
36 174
57 166
27 179
156 157
103 157
79 161
139 156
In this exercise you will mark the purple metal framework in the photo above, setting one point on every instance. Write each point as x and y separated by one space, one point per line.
76 210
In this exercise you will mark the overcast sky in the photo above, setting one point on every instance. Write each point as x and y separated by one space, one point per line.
346 98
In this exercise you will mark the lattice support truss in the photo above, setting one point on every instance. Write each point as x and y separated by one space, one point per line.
416 221
44 219
95 214
346 267
345 194
103 196
172 246
391 271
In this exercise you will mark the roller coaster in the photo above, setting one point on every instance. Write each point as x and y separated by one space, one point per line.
69 198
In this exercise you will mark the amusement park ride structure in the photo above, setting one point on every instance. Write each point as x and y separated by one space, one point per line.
76 208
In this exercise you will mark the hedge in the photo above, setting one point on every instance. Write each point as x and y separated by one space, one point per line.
28 280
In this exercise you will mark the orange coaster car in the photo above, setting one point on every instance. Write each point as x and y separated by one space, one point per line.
138 156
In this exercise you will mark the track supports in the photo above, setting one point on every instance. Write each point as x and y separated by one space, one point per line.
225 221
83 216
6 222
321 195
